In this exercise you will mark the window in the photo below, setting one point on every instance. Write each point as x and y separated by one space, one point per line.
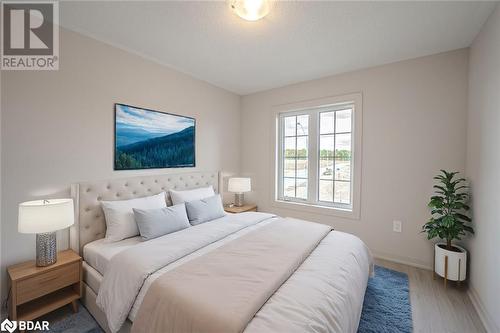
295 156
316 160
335 138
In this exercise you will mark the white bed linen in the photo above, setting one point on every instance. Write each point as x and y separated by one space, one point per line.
324 295
200 252
99 253
128 270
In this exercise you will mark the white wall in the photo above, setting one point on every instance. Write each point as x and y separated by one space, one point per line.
483 169
57 126
414 122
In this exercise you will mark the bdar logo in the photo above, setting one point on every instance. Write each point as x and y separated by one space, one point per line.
8 326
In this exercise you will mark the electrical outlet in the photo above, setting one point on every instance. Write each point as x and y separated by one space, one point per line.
397 226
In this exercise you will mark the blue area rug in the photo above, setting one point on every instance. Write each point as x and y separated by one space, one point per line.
386 307
64 321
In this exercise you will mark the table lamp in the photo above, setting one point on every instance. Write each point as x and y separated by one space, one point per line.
239 186
44 218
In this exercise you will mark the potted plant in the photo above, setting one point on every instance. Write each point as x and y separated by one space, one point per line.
449 221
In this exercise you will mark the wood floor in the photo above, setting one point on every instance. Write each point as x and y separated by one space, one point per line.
434 308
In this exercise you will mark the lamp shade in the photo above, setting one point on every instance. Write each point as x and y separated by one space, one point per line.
41 216
239 185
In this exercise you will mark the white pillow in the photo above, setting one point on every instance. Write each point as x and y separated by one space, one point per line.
179 197
120 222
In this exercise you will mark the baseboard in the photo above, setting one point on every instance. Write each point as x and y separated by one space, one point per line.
485 317
402 260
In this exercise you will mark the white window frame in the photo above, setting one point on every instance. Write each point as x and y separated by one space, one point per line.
313 108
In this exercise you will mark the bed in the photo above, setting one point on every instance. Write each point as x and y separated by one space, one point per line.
323 292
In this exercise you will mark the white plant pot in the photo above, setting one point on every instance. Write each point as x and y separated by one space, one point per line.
457 262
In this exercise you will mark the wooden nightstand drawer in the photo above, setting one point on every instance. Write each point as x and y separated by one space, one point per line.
47 282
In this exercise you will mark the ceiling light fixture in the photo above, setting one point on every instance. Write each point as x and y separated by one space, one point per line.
250 10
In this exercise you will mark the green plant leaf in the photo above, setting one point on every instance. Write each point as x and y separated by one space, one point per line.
463 217
448 207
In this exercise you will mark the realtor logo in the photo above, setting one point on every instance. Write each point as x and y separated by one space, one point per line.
8 326
30 35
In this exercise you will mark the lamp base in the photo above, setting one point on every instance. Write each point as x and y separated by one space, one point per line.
238 199
46 249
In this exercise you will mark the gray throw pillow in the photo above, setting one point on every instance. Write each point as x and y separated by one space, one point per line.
154 223
204 210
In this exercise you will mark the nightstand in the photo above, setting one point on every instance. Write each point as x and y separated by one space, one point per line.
244 208
36 291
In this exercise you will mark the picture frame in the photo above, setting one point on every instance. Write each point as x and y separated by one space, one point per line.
151 139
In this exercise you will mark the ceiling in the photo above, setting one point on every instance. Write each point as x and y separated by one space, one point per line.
297 41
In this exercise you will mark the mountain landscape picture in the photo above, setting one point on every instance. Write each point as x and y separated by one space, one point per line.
146 139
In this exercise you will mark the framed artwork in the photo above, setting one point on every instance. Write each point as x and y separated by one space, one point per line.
148 139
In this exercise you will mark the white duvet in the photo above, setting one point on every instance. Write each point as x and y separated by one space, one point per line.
324 295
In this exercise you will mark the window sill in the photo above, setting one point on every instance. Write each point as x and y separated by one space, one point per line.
317 209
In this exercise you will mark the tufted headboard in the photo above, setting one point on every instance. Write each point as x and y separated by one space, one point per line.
90 224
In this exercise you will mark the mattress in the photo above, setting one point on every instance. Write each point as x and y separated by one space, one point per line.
91 277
